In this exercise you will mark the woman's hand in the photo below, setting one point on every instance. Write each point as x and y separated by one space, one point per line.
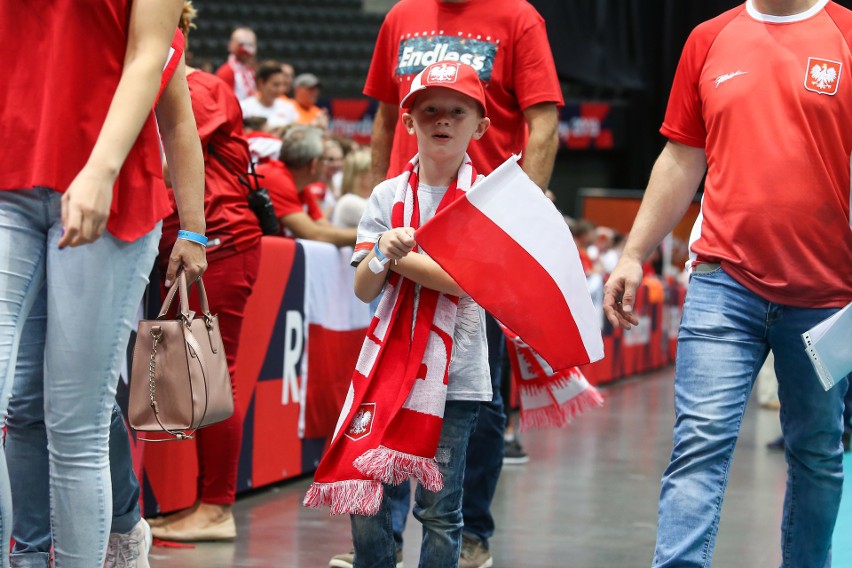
85 208
188 255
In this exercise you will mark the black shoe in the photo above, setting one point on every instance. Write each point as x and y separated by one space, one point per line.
776 445
845 438
513 453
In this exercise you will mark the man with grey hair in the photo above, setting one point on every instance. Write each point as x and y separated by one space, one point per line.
238 71
297 210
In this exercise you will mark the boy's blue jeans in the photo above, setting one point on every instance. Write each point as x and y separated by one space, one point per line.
440 513
723 340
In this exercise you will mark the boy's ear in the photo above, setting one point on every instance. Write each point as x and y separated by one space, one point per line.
483 125
408 122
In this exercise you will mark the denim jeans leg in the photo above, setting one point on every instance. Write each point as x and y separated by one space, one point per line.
23 226
485 452
721 346
93 293
847 407
441 513
400 497
373 539
125 486
812 423
26 445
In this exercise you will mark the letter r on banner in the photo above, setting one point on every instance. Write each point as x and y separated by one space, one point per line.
294 341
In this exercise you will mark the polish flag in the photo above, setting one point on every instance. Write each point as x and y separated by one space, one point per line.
508 247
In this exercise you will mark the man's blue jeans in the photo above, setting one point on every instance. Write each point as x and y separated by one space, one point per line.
440 513
723 340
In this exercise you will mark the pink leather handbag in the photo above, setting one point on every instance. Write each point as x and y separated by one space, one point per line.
179 380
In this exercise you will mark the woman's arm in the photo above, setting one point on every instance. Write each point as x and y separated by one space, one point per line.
86 202
183 150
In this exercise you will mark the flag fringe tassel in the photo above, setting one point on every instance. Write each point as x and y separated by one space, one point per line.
350 497
393 467
561 415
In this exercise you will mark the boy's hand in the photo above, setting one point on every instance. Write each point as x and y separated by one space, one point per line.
397 243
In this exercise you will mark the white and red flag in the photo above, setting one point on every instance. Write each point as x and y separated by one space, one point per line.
508 247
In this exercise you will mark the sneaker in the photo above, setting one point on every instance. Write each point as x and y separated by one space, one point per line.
776 445
348 560
513 453
129 550
474 554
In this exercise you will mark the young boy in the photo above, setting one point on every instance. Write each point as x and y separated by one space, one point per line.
444 109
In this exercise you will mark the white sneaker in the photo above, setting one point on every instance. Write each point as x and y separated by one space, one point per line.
129 550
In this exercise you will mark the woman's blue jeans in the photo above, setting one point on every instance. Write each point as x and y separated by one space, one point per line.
440 513
723 340
91 294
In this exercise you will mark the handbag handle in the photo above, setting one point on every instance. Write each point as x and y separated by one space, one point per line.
184 299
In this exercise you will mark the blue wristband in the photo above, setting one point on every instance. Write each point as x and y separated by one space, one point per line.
194 237
379 254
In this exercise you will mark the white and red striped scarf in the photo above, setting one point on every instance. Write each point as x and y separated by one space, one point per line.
391 420
548 398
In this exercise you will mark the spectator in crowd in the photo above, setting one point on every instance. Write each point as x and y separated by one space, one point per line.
508 40
238 70
331 166
267 101
233 251
286 180
743 298
356 188
82 190
289 73
306 89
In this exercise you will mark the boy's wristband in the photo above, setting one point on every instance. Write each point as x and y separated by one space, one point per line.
194 237
376 250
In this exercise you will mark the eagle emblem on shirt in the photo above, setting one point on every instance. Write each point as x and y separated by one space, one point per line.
822 75
362 423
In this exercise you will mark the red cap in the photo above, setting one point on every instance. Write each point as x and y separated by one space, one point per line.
459 77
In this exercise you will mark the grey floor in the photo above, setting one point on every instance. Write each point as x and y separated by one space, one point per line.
587 499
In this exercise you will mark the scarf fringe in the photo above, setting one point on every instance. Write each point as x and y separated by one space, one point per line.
350 497
393 467
562 415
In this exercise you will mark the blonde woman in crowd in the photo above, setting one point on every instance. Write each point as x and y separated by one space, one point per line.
356 188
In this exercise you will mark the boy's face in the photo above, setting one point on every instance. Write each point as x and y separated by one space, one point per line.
444 122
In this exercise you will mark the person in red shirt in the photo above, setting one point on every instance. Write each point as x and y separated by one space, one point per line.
297 210
506 42
233 253
81 198
759 103
238 70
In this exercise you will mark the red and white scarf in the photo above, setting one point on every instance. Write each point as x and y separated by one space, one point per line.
548 398
391 420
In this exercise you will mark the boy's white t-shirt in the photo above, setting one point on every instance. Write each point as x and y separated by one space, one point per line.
469 376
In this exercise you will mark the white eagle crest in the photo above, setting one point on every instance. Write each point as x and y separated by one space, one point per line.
360 422
443 74
823 77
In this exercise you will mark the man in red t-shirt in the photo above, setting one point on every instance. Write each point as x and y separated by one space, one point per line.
506 42
238 70
759 103
297 210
